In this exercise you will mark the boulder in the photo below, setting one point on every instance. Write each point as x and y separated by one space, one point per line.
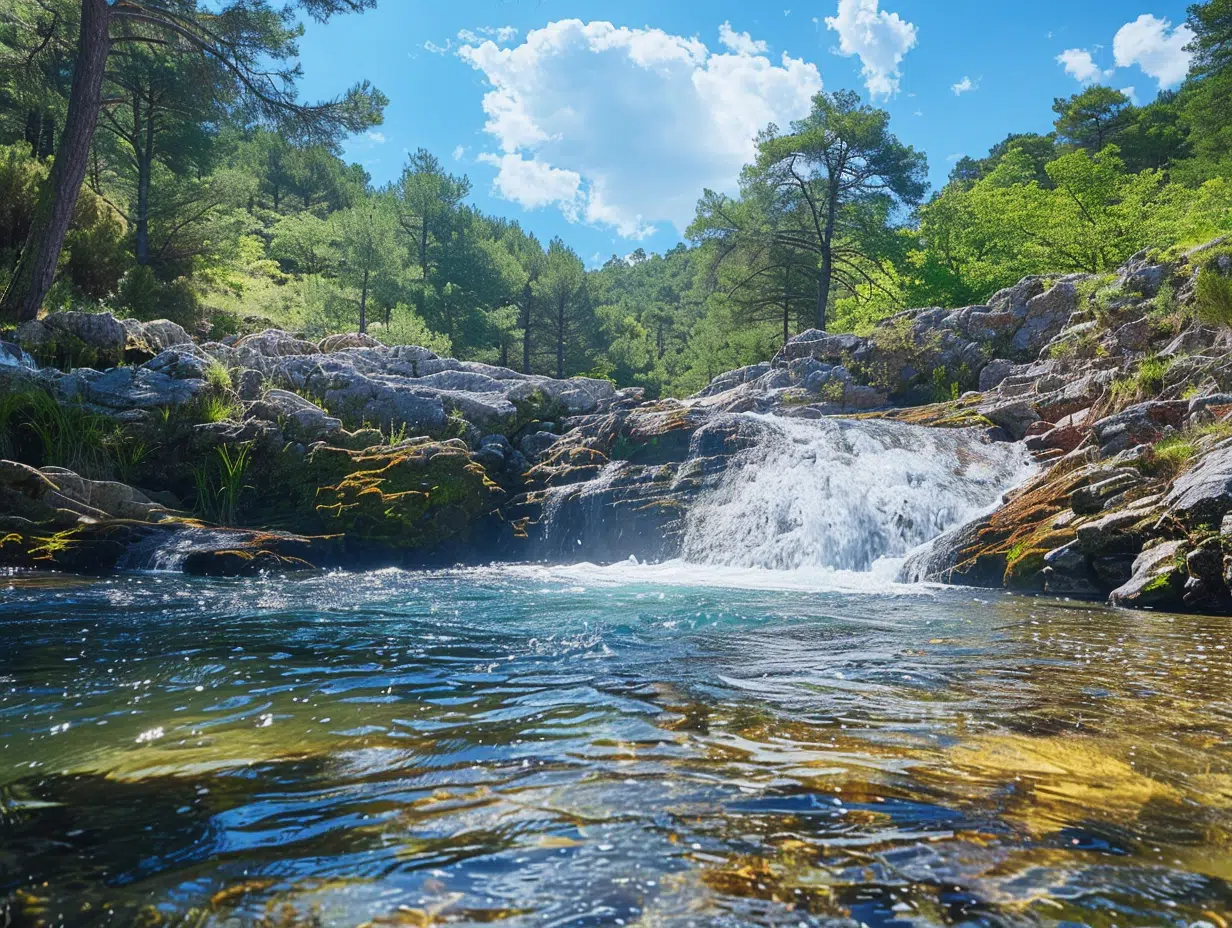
1015 416
146 339
343 340
1045 315
1142 424
249 384
275 343
182 362
74 338
1158 579
126 388
994 372
1203 494
536 445
301 419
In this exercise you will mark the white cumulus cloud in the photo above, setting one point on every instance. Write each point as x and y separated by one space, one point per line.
1157 48
964 86
881 40
740 42
438 49
625 127
1080 65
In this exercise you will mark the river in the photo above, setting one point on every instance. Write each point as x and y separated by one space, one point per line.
630 745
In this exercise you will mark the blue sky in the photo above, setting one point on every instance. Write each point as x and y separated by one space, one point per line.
602 121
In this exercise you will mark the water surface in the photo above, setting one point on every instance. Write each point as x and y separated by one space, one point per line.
619 746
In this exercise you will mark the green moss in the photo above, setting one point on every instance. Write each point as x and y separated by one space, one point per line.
409 498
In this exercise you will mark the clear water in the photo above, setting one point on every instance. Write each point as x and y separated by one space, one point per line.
619 746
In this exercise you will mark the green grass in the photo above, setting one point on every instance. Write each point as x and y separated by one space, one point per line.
1145 382
64 434
1170 456
1213 297
218 377
215 408
220 483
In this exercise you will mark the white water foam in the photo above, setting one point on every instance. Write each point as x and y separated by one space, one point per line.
846 496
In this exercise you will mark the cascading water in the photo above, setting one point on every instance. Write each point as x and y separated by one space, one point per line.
841 493
771 493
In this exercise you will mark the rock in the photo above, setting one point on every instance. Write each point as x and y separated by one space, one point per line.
1141 424
1139 276
1116 533
537 444
249 384
127 388
183 362
1136 335
1015 416
1061 438
74 338
1204 409
347 340
1067 572
1203 494
1158 579
301 419
994 372
110 498
413 496
146 339
1015 299
240 562
1045 316
1090 499
275 343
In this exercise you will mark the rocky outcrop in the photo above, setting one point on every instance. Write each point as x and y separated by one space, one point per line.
366 453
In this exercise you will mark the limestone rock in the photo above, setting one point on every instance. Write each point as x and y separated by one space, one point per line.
127 388
275 343
1045 315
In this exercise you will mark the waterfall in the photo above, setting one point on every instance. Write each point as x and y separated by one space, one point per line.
842 493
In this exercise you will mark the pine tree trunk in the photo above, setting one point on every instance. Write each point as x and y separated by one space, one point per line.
560 341
36 268
526 298
144 138
363 305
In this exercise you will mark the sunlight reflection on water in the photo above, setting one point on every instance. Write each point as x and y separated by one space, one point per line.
653 745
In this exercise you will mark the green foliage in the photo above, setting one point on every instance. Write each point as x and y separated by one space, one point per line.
217 377
1213 296
213 407
1146 382
220 483
64 434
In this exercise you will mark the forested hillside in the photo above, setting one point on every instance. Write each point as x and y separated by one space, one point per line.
213 196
